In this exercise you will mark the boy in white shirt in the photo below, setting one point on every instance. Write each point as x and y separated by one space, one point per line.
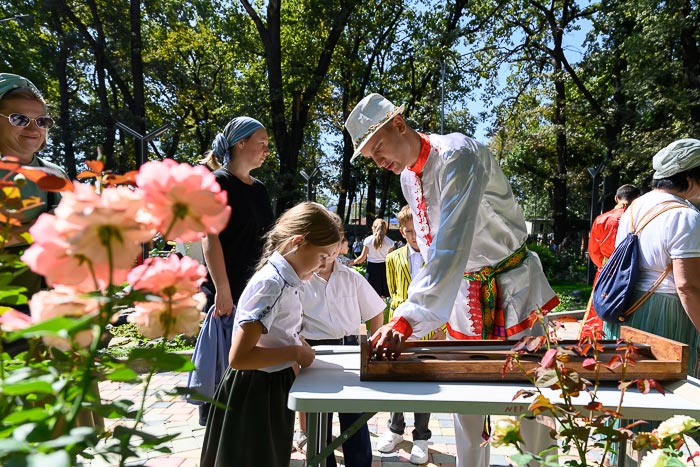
336 300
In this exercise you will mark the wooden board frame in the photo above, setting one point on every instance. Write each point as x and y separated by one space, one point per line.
482 360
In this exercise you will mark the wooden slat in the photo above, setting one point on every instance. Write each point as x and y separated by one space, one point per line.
663 359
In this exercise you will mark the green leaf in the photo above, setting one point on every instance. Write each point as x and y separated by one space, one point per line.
521 459
11 445
26 415
159 359
52 327
122 374
26 387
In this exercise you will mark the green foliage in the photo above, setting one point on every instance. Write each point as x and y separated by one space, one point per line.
565 264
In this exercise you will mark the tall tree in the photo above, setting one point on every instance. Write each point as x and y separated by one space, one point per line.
290 105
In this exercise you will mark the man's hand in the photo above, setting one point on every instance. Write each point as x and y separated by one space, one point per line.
386 343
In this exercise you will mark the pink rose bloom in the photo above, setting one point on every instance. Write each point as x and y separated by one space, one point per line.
99 225
168 277
13 320
183 317
186 202
49 256
63 301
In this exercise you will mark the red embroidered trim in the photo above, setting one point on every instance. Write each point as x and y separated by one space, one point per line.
401 325
417 168
421 204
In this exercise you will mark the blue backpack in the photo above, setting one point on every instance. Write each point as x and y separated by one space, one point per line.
614 288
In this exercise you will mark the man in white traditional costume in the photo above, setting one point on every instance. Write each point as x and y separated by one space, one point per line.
478 274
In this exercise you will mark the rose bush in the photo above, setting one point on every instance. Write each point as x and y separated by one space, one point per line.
594 426
87 250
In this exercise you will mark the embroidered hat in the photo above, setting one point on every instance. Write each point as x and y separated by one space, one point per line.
677 157
9 81
368 116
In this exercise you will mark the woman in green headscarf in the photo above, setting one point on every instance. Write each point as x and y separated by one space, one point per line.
24 126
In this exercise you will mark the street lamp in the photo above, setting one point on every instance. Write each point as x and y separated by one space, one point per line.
594 171
308 178
142 140
442 100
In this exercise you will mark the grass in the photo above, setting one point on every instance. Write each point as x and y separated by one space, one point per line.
126 337
572 295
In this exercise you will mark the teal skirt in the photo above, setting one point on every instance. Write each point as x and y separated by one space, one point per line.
663 314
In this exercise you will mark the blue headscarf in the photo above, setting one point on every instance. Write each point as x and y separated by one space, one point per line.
236 130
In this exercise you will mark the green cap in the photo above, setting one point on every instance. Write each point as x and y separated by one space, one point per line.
9 81
677 157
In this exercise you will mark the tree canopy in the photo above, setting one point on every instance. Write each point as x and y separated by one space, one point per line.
300 66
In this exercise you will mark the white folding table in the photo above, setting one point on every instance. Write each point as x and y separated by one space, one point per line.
332 384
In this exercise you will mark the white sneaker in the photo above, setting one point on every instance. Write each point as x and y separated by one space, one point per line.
419 452
388 441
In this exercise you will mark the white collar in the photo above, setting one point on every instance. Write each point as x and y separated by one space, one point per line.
284 269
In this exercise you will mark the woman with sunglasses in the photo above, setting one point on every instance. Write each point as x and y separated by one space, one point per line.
24 125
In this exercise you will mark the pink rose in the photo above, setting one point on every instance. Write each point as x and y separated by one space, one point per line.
180 317
49 256
62 301
185 202
90 241
13 320
170 277
102 226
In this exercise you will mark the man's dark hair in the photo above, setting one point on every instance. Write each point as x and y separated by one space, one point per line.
628 193
678 181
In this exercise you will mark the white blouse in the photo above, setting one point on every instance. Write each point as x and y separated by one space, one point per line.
378 255
272 297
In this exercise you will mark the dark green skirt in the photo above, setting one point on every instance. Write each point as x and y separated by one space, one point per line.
257 428
663 314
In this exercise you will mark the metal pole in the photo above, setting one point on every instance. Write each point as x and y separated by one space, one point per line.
594 171
442 100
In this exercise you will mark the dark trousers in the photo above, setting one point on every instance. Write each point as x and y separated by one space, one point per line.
357 450
421 431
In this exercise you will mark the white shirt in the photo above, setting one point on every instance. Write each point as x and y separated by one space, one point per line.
378 255
415 260
671 235
272 297
336 308
472 220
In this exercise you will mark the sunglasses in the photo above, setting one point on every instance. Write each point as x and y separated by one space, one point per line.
23 121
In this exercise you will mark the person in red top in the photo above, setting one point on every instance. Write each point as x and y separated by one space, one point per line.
601 244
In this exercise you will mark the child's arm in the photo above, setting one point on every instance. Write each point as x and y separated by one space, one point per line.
246 355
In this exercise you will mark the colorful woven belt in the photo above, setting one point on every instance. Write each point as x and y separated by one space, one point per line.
489 286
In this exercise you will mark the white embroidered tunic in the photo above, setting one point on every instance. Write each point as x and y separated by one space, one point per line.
466 218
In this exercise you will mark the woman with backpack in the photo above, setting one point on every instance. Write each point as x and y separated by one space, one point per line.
669 241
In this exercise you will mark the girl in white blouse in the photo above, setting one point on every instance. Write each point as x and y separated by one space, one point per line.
267 348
